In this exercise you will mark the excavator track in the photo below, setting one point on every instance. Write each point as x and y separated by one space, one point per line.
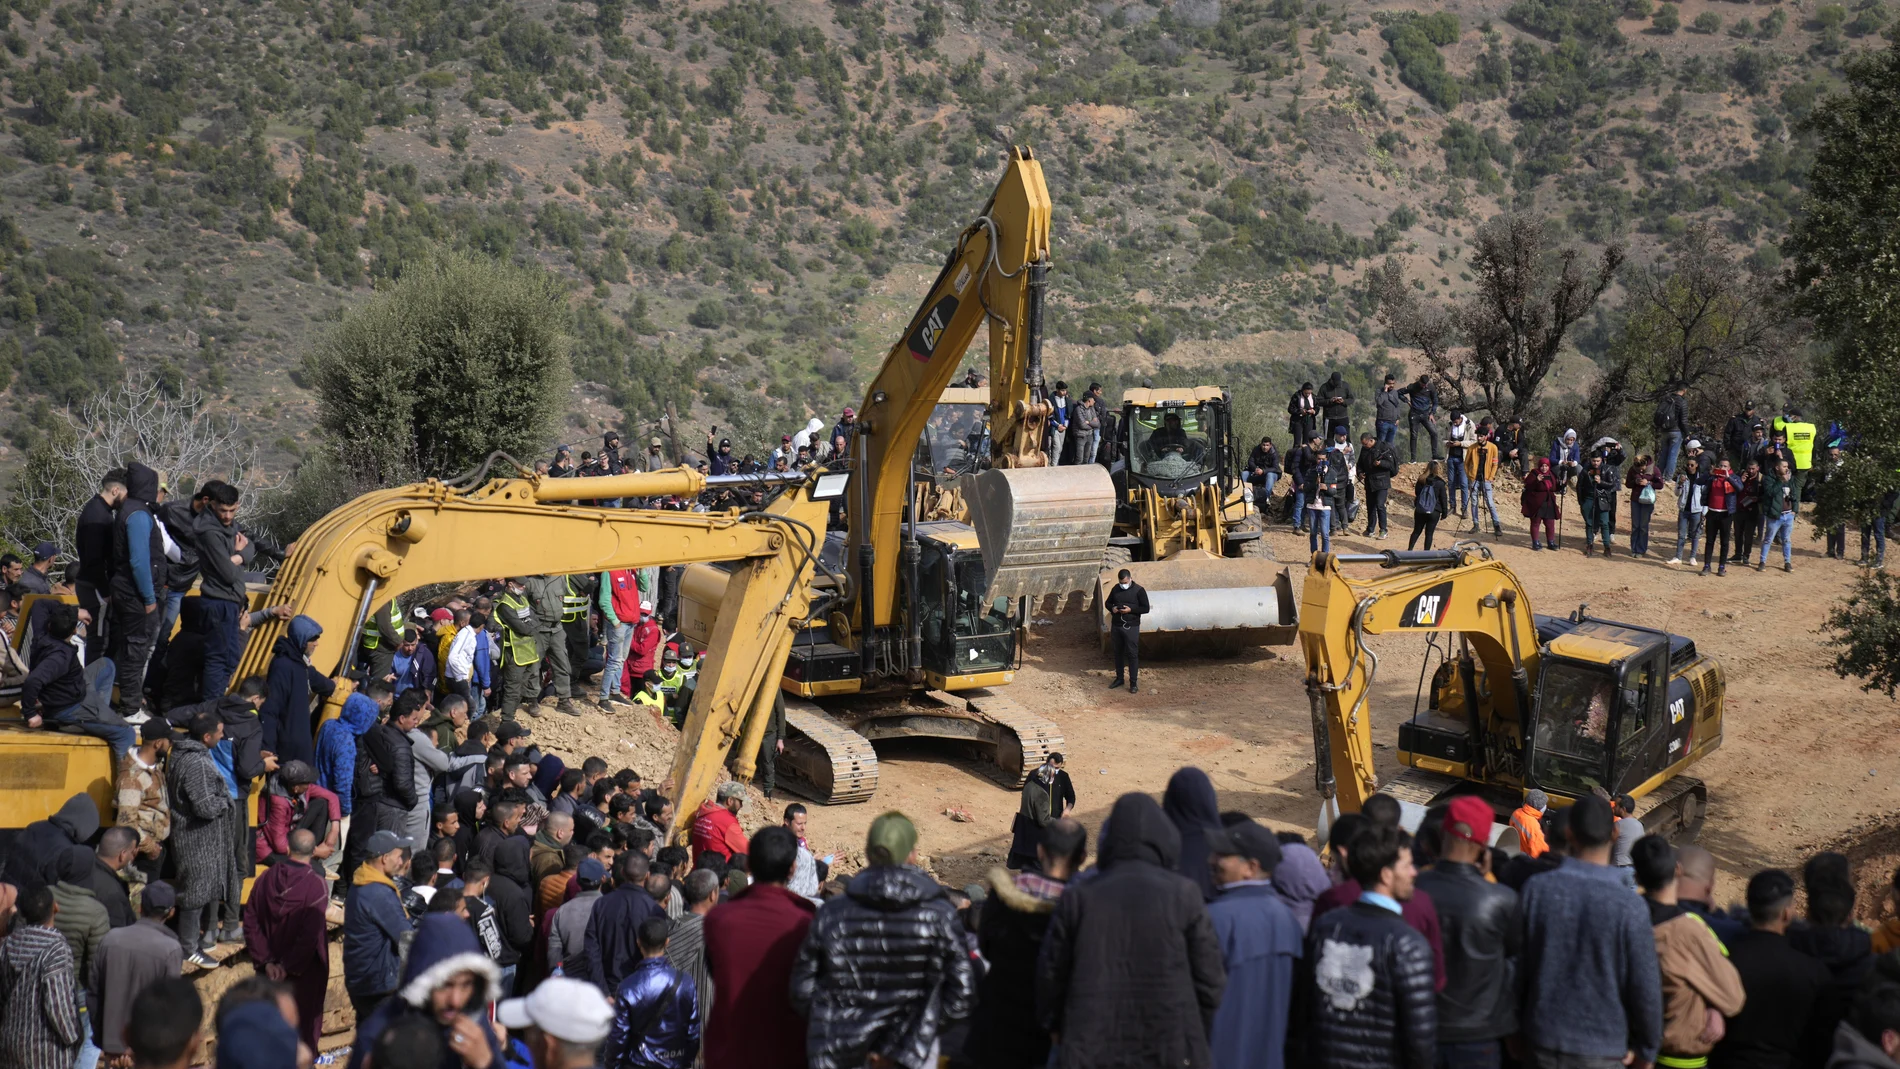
828 760
1675 810
1024 739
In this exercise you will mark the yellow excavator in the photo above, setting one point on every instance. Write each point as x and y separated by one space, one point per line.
929 610
1183 527
1568 705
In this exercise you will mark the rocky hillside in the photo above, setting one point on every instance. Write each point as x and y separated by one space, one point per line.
749 196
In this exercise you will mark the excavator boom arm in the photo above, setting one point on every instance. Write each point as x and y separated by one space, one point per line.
1458 590
391 541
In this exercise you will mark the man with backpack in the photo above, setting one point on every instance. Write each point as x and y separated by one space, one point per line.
1672 427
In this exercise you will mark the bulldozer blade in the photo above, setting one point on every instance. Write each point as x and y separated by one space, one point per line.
1042 530
1210 605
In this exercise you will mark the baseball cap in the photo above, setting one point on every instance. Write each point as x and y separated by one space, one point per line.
591 869
384 841
725 443
571 1010
1468 818
784 437
645 605
671 654
1248 840
1695 443
442 616
520 579
890 840
160 896
45 551
731 789
512 729
850 412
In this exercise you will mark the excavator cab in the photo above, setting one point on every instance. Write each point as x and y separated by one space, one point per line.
965 631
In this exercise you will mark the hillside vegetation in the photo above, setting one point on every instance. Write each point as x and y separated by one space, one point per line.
741 193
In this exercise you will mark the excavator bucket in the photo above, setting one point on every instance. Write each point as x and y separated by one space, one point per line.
1203 605
1042 530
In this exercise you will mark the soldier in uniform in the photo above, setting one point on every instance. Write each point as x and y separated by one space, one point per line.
520 653
547 595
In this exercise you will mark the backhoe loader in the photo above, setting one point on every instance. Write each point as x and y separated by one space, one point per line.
391 541
1182 526
1568 705
930 611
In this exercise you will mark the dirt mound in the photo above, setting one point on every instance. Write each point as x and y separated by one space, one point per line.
623 737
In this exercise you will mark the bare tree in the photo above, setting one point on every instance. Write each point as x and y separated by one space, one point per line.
1431 330
1526 302
177 436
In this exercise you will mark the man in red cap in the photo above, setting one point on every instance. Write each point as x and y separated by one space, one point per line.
1480 923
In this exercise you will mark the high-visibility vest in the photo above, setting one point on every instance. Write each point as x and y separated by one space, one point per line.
1530 831
1801 444
670 684
372 638
657 701
519 648
573 603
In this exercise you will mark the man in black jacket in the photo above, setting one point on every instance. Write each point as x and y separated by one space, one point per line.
885 966
1127 604
1367 983
1130 972
1302 414
1735 436
1004 1032
1378 462
1782 984
221 586
59 693
138 587
1336 405
385 782
1672 427
92 539
1481 928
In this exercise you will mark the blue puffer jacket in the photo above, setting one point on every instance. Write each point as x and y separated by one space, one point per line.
336 748
648 1031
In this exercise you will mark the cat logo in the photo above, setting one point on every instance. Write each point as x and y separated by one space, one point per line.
1676 710
1428 609
923 341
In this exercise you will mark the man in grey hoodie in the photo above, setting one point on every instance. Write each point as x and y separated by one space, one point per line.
221 591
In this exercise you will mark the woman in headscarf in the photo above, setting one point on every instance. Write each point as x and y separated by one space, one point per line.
547 777
285 716
1300 878
1191 806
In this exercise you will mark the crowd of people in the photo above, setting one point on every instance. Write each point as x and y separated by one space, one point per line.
1736 498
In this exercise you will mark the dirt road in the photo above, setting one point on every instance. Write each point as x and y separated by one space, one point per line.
1806 757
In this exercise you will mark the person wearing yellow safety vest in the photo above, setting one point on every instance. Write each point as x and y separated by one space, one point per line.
673 679
1700 988
651 696
520 651
1801 437
547 595
576 612
382 632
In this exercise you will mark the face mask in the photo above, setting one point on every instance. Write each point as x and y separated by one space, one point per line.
1125 584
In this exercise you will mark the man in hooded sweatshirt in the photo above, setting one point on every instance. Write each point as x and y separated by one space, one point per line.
137 586
337 742
1130 973
1336 404
292 679
33 859
448 982
886 966
60 691
285 930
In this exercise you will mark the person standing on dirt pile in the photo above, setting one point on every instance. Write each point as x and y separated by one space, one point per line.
1302 412
1263 471
1127 603
1388 407
1421 411
1481 472
221 590
1365 997
1336 404
1482 928
1596 499
1011 923
1723 490
1323 496
618 600
1430 504
1671 422
1130 974
138 571
1781 984
1378 462
1260 945
885 966
1304 472
1540 505
1459 436
1778 504
1692 506
1700 988
1747 511
1736 434
92 543
1592 994
520 650
1644 481
546 594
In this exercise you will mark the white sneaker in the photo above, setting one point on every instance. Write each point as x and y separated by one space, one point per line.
138 718
1691 560
1675 560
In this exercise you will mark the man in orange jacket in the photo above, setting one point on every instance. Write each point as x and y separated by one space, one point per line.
1528 820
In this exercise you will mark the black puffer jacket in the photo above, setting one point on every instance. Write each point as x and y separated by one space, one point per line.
1366 984
388 793
884 968
1480 925
1131 972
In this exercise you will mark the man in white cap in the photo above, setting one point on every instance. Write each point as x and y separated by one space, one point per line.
563 1023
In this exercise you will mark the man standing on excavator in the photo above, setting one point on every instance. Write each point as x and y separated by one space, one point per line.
1127 604
520 656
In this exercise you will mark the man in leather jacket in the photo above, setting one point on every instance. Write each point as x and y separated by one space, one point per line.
1480 921
885 966
1366 990
656 1011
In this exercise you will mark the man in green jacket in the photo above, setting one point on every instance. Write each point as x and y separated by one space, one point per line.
1779 498
520 650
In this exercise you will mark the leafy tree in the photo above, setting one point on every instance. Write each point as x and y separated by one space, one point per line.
459 358
1845 248
1668 19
